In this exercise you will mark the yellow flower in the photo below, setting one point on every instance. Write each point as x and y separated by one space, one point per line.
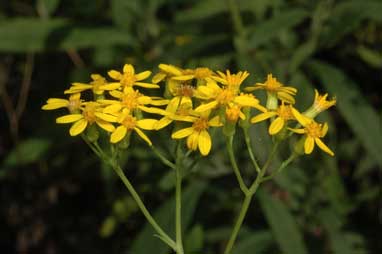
283 113
284 93
321 103
166 71
91 113
130 123
129 79
223 96
73 104
98 85
233 113
231 81
182 107
313 132
200 74
131 99
197 135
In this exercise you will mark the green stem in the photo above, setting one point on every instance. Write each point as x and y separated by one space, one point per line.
247 201
239 222
249 148
178 199
283 165
143 208
165 161
236 169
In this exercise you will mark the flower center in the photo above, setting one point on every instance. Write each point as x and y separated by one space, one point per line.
314 130
129 122
285 112
232 113
200 124
74 103
89 112
130 100
225 96
272 85
185 90
128 79
96 83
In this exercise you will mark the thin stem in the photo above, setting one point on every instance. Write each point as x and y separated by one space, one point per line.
178 201
248 197
239 222
236 169
143 208
283 165
165 161
249 148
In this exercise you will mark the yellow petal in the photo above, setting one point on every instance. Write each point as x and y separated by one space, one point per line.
163 122
323 147
115 75
298 131
57 100
206 106
146 85
116 94
105 125
263 116
159 102
286 97
143 136
106 117
182 133
303 120
246 101
192 141
51 106
324 130
118 134
204 142
158 77
309 145
112 109
128 68
147 124
215 122
110 86
276 126
170 69
142 75
69 118
183 77
78 127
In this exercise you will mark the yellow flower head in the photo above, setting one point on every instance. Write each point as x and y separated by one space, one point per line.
321 103
98 85
130 123
271 85
166 71
73 103
200 74
91 113
313 132
233 113
197 135
283 113
232 81
129 79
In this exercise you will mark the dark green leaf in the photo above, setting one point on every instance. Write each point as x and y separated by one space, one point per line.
256 243
283 225
194 240
47 7
201 10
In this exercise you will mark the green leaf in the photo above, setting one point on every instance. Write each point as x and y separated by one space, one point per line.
371 57
361 118
283 225
201 10
124 12
194 240
28 151
270 29
145 242
256 243
57 34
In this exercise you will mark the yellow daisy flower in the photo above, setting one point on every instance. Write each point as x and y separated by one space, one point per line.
91 113
197 135
272 86
98 85
131 99
313 132
166 71
283 113
181 107
129 79
233 113
129 123
223 96
321 103
231 81
200 74
73 103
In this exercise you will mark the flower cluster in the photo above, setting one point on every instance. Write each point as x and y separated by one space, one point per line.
194 101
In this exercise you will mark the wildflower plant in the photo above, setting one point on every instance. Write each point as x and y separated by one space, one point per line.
193 103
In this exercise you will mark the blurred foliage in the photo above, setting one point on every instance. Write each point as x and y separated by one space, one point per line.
57 198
